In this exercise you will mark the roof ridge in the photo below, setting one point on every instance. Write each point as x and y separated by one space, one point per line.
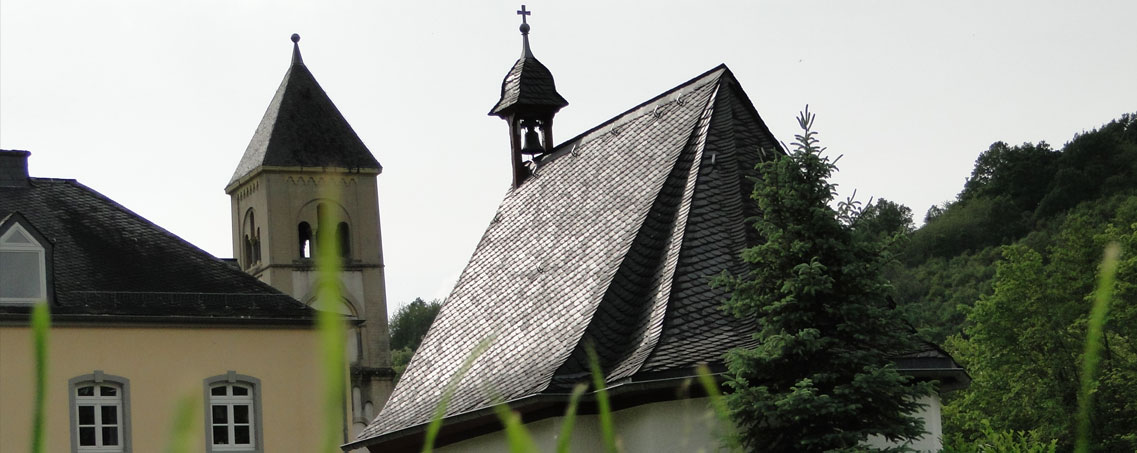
665 275
626 115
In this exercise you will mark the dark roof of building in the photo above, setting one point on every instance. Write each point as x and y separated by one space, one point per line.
612 242
111 264
303 128
529 84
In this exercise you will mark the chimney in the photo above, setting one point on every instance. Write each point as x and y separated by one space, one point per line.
14 168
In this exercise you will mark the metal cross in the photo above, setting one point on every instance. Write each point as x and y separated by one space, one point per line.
523 13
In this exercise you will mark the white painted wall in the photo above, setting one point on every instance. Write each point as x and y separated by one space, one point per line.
672 426
933 425
679 426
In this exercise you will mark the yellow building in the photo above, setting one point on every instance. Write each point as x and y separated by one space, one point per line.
142 321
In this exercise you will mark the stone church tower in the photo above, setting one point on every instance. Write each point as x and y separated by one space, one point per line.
306 169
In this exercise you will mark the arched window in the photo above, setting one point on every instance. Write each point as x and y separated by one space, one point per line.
251 236
233 413
343 238
304 231
100 413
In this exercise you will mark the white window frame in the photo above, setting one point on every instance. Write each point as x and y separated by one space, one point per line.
228 381
35 247
121 402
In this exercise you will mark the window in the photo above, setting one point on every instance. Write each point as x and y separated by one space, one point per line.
251 240
343 238
24 262
100 413
305 232
233 413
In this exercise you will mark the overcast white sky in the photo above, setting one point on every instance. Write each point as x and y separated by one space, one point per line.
152 102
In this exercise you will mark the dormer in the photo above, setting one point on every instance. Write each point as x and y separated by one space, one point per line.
25 262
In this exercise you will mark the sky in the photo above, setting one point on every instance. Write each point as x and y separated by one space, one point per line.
153 103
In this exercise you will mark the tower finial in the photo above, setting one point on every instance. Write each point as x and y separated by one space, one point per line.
525 52
524 23
296 59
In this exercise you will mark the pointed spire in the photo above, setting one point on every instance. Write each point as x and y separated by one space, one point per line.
303 128
296 58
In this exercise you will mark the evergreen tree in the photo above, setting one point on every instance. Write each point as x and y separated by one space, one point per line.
821 378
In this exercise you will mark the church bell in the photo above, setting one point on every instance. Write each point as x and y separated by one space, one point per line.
532 140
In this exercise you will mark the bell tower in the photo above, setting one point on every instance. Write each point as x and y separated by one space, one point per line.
529 100
306 170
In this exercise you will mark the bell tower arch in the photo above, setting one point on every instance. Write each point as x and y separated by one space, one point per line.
304 170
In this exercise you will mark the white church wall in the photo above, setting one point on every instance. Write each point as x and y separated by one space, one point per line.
680 426
933 426
671 426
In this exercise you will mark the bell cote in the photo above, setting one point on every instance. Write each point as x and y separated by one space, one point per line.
529 100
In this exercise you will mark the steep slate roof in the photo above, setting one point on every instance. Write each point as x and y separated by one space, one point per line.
111 264
303 128
612 241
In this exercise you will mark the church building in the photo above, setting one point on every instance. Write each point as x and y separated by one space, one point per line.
607 240
305 170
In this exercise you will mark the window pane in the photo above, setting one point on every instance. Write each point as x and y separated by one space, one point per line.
220 435
86 415
110 435
217 391
220 414
20 274
110 415
18 237
241 435
86 391
240 414
108 391
240 391
87 436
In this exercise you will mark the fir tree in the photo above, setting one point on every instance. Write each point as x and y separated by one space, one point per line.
822 377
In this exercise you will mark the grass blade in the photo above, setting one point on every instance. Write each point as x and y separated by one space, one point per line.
519 439
182 432
718 405
448 392
41 322
603 407
332 332
1102 296
570 418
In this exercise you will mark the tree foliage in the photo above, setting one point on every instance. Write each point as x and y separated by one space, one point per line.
821 378
1023 344
1004 271
408 327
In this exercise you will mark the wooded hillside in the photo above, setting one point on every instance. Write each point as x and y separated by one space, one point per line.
1003 277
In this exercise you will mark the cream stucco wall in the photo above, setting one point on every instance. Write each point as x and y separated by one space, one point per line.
670 426
164 365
